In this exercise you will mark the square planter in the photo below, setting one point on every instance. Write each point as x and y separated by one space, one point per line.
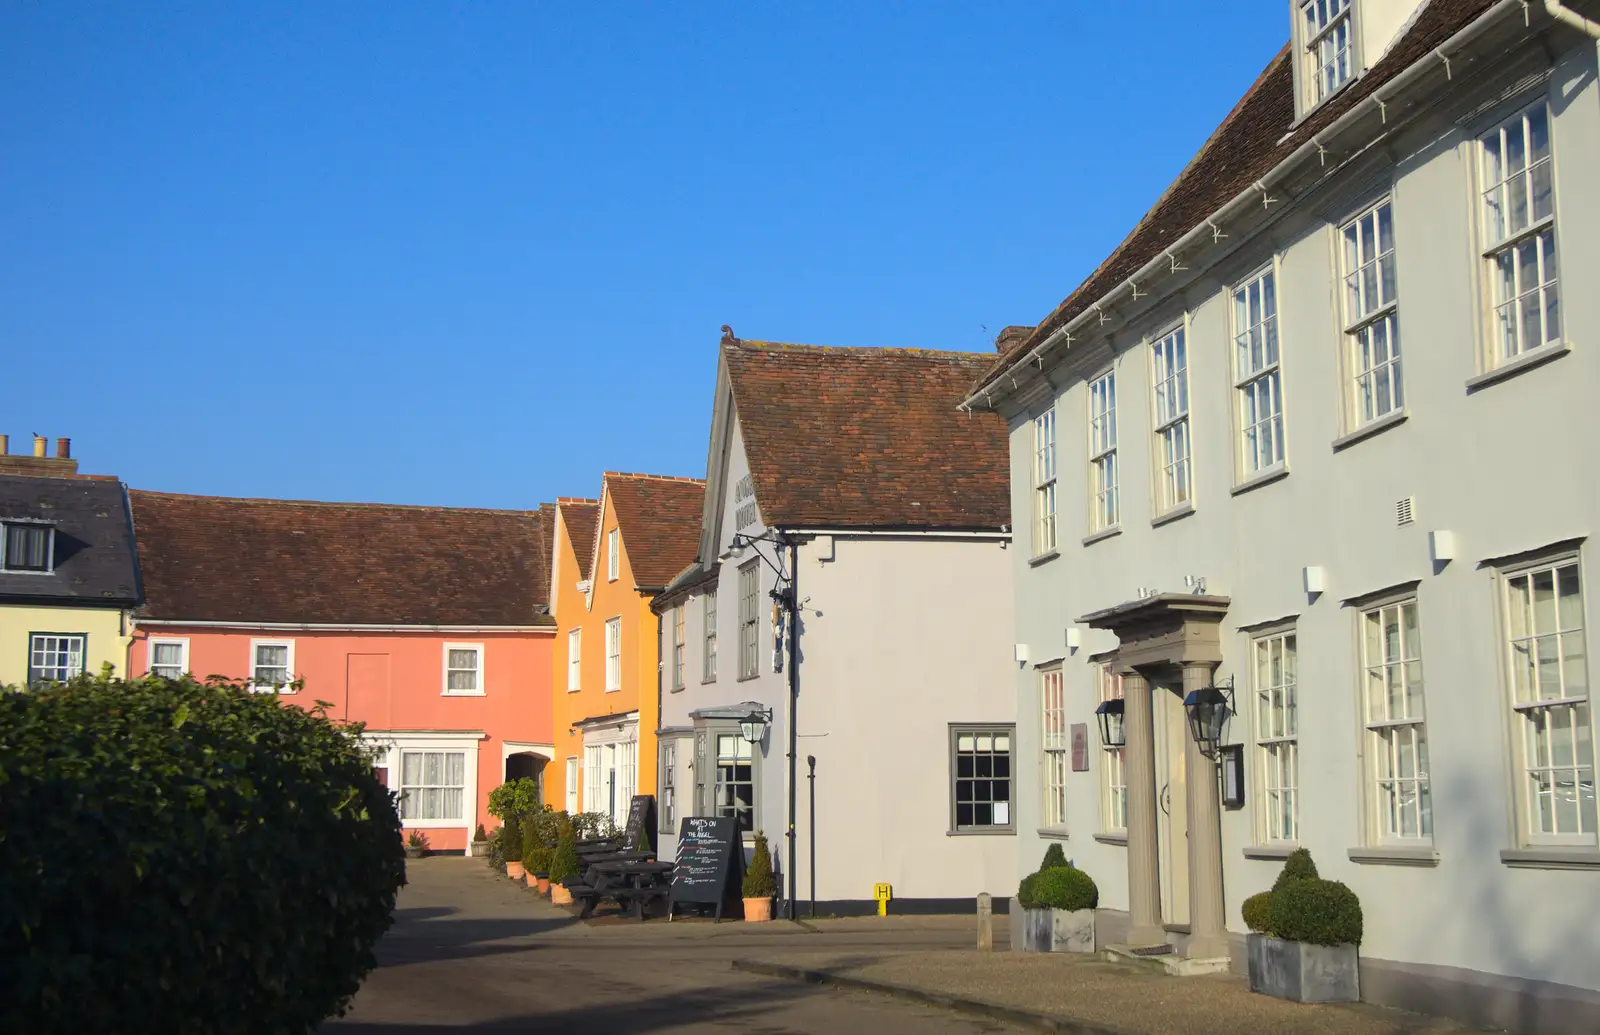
477 849
1302 972
1053 930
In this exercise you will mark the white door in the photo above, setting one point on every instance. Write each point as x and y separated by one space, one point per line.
1172 804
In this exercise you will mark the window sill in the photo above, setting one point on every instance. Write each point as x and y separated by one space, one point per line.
988 832
1260 478
461 693
1395 855
613 689
675 689
1104 533
1049 555
746 679
1112 839
708 682
1552 858
1053 833
1182 510
1512 367
1278 851
1370 428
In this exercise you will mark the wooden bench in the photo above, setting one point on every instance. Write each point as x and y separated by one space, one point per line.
632 884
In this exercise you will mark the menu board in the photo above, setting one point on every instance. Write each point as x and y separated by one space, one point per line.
710 864
641 817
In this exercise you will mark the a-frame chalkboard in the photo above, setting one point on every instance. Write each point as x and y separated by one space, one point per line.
641 818
709 870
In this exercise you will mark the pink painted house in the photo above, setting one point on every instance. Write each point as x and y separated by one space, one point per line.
428 624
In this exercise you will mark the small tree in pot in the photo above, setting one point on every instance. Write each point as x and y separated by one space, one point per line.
564 861
511 846
759 886
1058 904
1305 936
416 844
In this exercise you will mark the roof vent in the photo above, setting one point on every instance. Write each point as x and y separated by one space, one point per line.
1403 512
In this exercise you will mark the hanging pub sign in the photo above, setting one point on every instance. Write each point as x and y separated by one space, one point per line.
778 625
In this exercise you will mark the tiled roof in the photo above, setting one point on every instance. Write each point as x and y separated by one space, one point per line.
219 559
580 517
868 438
1254 137
660 521
94 556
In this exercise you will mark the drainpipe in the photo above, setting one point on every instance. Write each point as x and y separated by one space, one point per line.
794 697
1567 16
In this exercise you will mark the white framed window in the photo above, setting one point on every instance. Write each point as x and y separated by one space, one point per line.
980 770
433 786
1397 742
1044 482
1169 357
1371 313
574 659
271 665
463 670
1054 746
1258 378
1327 45
613 564
594 782
736 779
27 546
677 647
56 657
668 818
1114 771
169 657
1552 713
1277 735
749 617
1103 512
1519 234
614 653
572 785
627 780
709 620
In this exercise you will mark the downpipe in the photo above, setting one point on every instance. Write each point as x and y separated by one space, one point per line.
1567 16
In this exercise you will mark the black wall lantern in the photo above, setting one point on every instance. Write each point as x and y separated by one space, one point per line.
1112 732
1209 708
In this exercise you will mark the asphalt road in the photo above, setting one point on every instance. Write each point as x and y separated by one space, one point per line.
470 952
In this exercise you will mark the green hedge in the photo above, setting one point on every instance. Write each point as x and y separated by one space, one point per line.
511 839
1053 857
1321 912
1298 866
187 859
564 860
1257 910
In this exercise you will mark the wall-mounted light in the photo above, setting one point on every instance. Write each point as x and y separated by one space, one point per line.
1209 708
1315 578
1442 546
754 725
1113 733
1074 637
1022 652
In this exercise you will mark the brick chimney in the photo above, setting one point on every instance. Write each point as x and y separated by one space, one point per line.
1010 338
40 463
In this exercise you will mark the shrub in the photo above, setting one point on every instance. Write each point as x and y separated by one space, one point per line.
538 863
1053 857
758 882
589 826
1065 887
543 822
511 839
1297 867
530 842
564 861
479 835
1026 896
1322 912
244 860
494 857
417 841
1257 910
514 798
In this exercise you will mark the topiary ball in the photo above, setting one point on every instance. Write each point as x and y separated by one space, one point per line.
1065 887
1257 910
1319 912
1025 894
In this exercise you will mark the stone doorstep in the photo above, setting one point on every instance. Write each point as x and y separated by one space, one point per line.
1170 963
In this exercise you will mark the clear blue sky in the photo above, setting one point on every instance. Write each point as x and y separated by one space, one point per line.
474 254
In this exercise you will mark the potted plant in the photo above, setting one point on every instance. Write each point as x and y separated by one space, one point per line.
480 843
511 846
564 862
416 844
1057 907
1304 936
759 887
538 866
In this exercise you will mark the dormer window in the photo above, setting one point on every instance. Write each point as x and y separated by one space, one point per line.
27 547
1327 46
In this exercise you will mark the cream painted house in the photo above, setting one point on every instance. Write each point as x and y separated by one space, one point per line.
1320 435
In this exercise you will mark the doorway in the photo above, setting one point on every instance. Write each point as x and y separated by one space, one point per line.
1172 802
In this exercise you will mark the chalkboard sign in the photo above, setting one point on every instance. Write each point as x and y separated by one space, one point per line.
710 865
641 817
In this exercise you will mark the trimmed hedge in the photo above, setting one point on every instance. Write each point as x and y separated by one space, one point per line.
1257 910
1026 898
1053 857
511 839
1321 912
186 858
564 860
1298 866
1065 887
758 881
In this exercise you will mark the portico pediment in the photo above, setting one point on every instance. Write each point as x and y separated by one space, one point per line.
1166 629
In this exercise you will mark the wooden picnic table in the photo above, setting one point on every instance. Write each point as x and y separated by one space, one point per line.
628 882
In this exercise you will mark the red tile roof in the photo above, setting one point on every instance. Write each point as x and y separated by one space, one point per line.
1254 137
868 438
580 516
659 517
220 559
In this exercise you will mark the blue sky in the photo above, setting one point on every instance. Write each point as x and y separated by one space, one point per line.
474 254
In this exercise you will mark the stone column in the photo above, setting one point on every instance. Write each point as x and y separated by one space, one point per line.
1144 873
1208 937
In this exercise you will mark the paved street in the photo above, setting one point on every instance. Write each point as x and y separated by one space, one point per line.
470 952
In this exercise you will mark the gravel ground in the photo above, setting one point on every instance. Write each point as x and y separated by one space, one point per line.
1126 997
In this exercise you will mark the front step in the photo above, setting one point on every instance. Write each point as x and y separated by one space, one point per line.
1168 962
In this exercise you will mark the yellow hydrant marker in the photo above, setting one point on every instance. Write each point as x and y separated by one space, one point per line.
882 894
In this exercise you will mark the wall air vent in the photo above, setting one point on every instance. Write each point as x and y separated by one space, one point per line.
1404 512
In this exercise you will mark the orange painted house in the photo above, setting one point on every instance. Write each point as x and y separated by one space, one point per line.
430 625
610 558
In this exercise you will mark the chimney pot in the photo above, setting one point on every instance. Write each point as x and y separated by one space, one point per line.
5 445
1011 337
64 448
39 444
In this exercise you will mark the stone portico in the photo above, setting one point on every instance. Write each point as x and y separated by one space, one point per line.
1169 643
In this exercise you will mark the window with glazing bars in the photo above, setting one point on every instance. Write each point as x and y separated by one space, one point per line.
981 795
1044 482
1329 59
709 619
749 616
1519 233
55 657
736 779
1053 722
1277 736
1114 781
614 653
26 547
431 784
1371 313
169 658
1257 376
1103 512
1170 361
1397 742
677 647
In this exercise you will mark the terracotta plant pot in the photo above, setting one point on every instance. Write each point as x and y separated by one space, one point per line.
757 910
544 885
559 895
514 870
